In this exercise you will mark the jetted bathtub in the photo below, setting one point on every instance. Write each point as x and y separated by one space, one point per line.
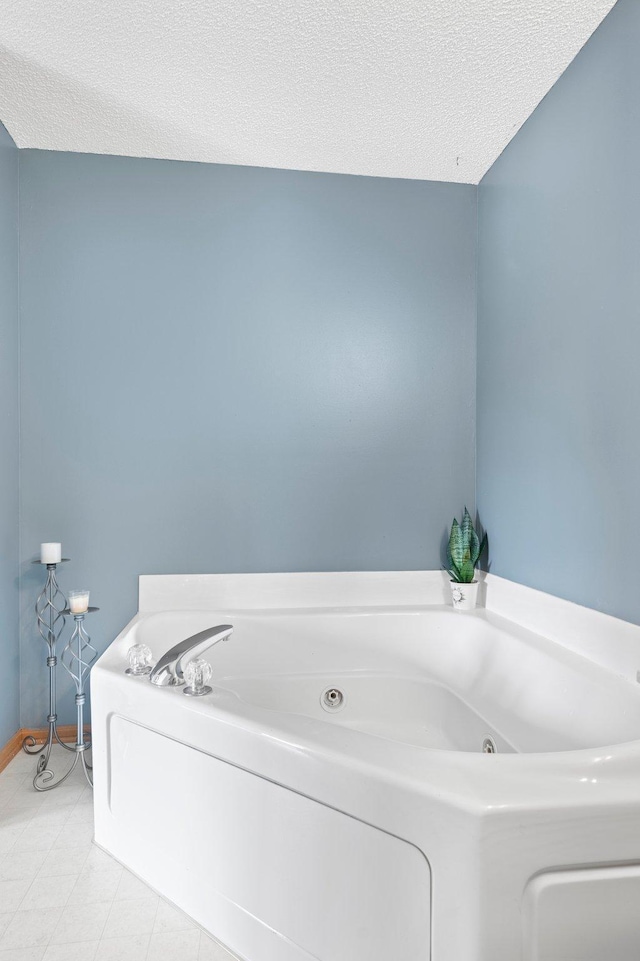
376 777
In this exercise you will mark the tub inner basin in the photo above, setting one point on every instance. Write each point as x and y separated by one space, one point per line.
412 711
433 679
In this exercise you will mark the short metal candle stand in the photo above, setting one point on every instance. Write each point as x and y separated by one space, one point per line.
50 620
77 657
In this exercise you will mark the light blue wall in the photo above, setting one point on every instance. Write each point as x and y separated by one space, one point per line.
9 635
237 369
559 333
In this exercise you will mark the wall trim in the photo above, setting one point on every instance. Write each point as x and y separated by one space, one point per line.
14 745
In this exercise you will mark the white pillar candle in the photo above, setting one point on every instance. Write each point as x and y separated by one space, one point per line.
78 602
50 553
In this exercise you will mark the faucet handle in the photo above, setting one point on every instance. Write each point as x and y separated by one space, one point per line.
196 674
139 660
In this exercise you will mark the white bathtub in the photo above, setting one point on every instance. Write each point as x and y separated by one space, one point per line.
379 832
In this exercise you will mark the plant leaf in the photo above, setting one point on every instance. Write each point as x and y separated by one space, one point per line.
483 544
456 544
474 546
467 571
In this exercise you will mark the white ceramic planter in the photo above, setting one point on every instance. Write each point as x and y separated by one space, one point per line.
464 596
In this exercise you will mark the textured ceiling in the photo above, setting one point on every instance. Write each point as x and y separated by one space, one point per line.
429 89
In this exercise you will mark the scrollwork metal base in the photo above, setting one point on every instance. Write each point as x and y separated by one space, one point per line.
77 657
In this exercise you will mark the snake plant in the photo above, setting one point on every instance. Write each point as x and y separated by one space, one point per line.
464 550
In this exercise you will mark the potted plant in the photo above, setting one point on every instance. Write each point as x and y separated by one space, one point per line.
463 552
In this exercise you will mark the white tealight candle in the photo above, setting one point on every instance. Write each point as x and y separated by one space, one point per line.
78 602
50 553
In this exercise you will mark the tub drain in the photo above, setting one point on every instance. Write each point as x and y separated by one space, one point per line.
332 699
489 746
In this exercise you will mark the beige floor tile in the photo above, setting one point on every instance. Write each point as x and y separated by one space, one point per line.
174 944
133 948
131 888
131 917
74 834
19 865
30 929
12 894
98 860
61 861
9 834
9 787
48 892
27 800
67 795
82 813
22 954
37 836
81 922
169 918
23 764
23 807
96 886
80 951
46 817
210 950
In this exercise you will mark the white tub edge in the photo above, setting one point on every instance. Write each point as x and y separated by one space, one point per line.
608 641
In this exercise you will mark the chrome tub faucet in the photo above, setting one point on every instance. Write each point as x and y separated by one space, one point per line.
169 671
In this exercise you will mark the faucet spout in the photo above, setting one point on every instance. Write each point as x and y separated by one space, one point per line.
169 671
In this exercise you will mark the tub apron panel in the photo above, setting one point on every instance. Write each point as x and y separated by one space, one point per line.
272 874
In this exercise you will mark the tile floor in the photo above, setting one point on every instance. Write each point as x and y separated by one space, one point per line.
63 899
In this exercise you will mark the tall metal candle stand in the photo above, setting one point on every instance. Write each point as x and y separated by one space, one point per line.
50 620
